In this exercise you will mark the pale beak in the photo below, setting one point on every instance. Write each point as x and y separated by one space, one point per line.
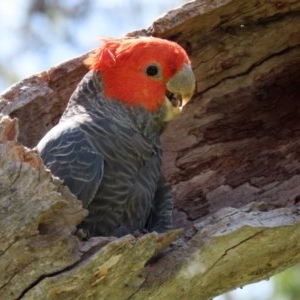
180 89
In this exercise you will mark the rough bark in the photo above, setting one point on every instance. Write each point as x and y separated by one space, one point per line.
232 158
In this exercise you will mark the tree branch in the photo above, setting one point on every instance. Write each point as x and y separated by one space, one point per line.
232 157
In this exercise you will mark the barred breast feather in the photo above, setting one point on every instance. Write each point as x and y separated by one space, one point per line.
109 155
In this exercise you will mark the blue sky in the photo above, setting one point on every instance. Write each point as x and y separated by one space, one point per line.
22 57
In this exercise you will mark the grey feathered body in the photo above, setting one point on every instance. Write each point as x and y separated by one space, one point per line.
109 155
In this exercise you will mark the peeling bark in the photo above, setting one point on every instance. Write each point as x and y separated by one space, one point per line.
232 157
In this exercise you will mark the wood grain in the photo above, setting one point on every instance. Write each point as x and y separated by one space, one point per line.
232 157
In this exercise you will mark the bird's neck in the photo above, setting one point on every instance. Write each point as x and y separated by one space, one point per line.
88 98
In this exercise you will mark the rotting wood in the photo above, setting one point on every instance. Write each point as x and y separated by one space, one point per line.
236 144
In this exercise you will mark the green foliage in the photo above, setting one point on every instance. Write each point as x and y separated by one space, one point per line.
287 284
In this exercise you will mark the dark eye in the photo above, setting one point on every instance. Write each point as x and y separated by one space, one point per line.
152 70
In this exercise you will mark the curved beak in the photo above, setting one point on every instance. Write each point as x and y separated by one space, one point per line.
180 89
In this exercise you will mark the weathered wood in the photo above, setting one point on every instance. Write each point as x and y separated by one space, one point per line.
232 158
212 261
37 216
239 138
38 101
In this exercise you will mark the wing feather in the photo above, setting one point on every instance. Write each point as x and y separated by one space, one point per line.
69 156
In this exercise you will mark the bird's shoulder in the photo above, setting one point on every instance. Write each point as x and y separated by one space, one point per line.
69 155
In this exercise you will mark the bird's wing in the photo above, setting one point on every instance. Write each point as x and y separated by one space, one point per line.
69 156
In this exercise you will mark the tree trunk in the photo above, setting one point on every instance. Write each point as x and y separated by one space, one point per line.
232 157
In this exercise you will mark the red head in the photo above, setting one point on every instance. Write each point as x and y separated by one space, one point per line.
136 70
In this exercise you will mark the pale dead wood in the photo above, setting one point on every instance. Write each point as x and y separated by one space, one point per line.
236 144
